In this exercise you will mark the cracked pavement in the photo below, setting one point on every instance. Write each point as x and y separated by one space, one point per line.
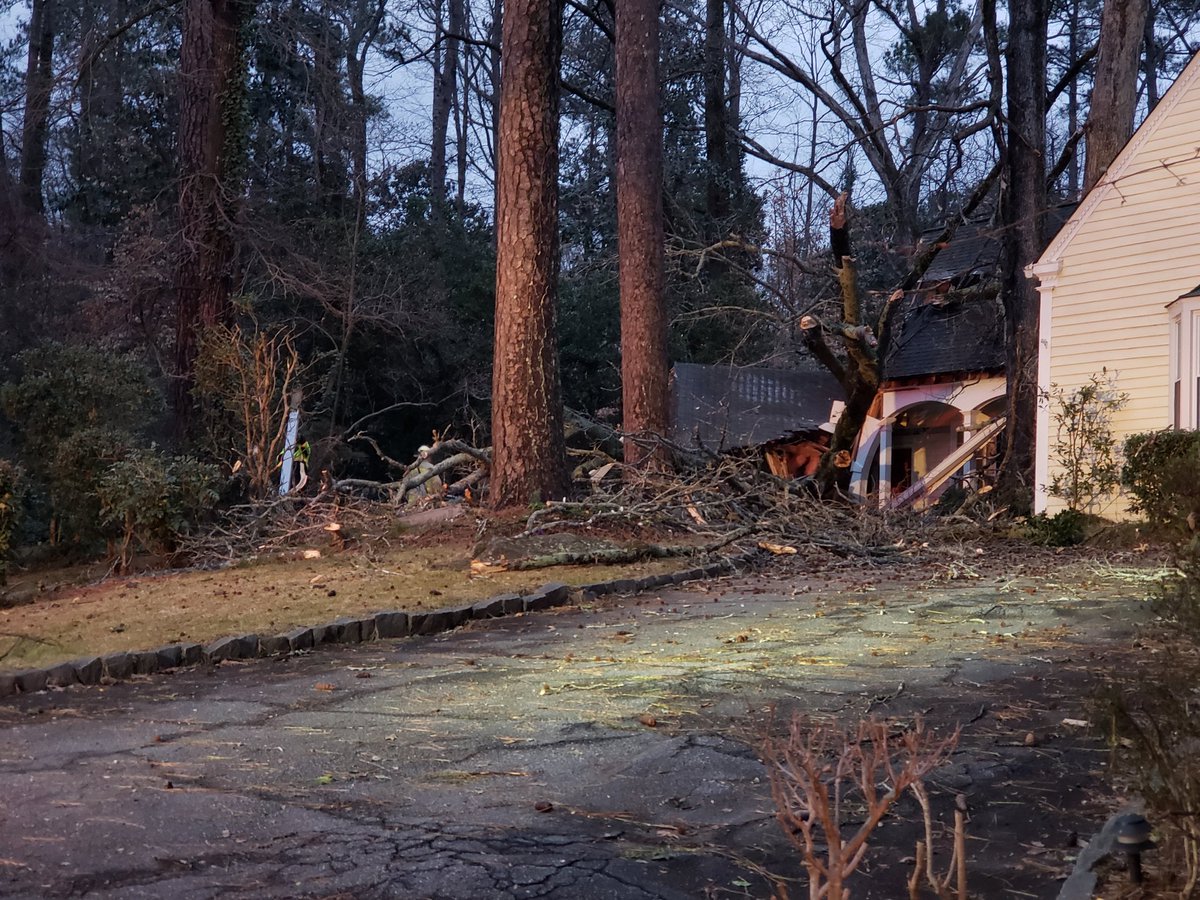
601 750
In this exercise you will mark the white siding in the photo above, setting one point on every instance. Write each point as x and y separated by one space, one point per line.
1124 257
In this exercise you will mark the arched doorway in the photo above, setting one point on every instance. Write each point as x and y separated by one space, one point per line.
922 435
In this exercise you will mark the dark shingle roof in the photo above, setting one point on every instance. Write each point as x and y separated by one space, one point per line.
975 248
730 406
938 335
963 335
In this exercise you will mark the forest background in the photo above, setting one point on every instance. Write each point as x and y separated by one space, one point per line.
215 208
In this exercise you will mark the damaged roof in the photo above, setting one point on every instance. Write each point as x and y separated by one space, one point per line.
975 248
939 334
935 338
727 407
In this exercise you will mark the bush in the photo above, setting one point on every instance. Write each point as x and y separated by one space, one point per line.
1084 445
77 410
1160 473
1065 528
152 499
10 511
65 390
73 472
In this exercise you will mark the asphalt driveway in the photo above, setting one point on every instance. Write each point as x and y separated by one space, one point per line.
603 750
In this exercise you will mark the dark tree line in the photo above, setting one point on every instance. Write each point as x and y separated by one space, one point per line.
583 192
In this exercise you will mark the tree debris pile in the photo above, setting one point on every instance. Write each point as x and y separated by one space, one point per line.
326 523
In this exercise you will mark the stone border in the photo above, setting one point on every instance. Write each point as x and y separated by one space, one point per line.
1081 884
345 630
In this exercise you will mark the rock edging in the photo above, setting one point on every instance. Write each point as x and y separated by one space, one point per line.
345 630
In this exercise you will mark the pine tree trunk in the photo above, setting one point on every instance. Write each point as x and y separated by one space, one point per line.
210 149
529 459
640 224
456 57
1114 89
1150 63
1022 205
39 82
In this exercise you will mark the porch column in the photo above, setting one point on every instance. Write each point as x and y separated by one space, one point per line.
885 461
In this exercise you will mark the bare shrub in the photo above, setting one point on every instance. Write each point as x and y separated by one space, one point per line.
248 378
820 773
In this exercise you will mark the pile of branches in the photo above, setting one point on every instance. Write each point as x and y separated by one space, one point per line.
723 504
285 524
443 457
728 502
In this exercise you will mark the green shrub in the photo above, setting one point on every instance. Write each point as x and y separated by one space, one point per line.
1160 473
1084 446
73 471
10 511
1065 528
151 499
77 410
65 390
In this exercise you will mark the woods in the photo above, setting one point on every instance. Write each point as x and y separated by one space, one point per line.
462 218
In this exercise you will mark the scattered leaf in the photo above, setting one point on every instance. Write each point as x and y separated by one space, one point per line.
324 686
777 549
543 806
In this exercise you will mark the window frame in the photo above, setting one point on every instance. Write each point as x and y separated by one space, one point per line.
1183 385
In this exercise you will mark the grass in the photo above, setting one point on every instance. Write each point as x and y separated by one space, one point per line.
145 611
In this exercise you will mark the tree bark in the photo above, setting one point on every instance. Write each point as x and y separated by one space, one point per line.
1022 205
445 89
1150 63
211 148
1114 90
529 458
716 123
39 82
640 240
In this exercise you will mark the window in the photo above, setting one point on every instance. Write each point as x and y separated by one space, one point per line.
1184 319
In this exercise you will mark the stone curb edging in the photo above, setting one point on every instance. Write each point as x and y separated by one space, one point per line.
1081 884
346 630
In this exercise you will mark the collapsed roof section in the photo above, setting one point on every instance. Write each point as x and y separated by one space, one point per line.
943 328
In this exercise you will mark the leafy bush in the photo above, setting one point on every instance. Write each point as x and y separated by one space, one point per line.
1065 528
77 410
10 510
153 499
1084 447
1160 473
72 472
65 390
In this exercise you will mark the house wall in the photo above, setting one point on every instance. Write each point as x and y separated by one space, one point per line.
1132 248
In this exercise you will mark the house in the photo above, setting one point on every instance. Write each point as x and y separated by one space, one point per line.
775 411
943 383
1119 296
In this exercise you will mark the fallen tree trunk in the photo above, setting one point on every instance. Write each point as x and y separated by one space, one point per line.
399 488
616 555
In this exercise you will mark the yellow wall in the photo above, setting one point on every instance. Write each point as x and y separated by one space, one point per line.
1131 248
